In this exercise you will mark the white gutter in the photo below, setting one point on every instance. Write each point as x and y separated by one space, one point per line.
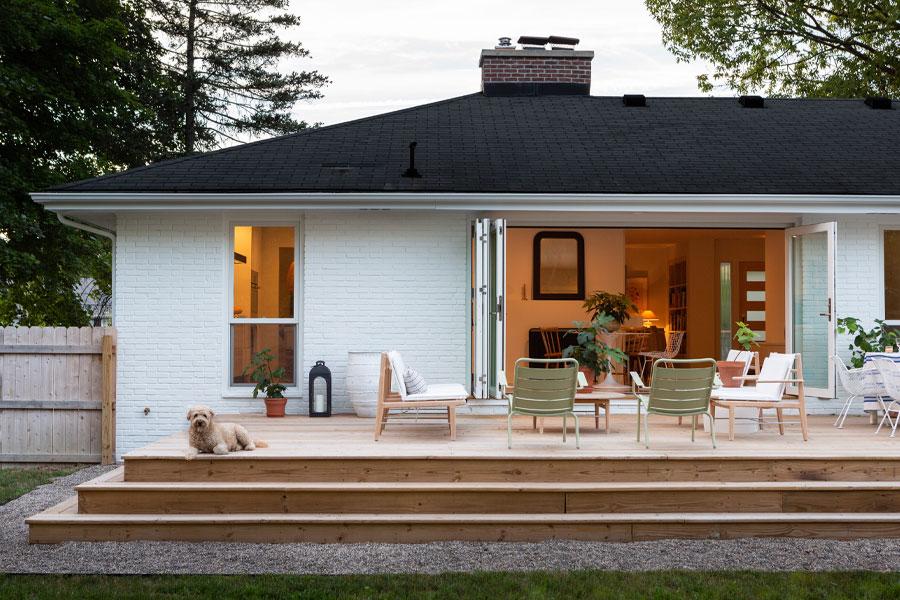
635 203
96 230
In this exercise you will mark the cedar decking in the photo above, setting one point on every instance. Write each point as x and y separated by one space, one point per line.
325 480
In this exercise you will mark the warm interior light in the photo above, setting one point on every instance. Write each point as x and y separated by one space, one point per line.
648 316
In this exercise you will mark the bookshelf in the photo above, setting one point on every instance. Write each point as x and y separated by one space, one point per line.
678 299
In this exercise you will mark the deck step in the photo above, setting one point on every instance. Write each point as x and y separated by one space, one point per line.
173 466
111 495
64 524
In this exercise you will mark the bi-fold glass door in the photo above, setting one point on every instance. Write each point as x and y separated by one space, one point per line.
810 303
488 307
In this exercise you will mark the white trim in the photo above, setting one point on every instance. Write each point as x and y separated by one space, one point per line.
635 203
883 292
229 223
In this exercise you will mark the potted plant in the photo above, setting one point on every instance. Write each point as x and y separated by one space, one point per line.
593 355
731 370
615 306
267 381
874 340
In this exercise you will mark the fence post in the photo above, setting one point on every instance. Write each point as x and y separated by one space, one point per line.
108 406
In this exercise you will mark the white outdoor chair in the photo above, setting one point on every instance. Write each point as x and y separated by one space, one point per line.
446 396
858 384
890 377
768 392
673 347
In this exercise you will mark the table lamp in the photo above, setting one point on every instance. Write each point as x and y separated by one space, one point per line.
648 317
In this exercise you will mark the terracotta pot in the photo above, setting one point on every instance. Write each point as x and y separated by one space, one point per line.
728 370
275 407
591 379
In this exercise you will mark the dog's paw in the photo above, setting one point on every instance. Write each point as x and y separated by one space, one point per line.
191 454
220 449
250 446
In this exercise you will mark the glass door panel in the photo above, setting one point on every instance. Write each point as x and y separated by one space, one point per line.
811 304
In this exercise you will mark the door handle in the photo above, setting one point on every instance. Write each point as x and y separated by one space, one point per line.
827 314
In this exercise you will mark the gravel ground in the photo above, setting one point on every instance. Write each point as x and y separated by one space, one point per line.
774 554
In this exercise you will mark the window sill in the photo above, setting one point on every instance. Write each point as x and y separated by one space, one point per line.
247 394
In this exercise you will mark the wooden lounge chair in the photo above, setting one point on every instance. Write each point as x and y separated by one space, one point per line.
768 393
547 392
679 388
442 395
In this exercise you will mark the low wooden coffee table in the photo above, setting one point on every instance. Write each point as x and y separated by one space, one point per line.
599 399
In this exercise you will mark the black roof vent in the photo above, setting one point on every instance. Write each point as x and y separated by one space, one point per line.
412 172
878 102
752 101
634 100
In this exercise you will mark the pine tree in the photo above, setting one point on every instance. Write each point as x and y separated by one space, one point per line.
225 55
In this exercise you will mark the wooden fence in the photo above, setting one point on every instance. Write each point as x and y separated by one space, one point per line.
57 394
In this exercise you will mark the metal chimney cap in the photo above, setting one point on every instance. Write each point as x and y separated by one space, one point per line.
505 42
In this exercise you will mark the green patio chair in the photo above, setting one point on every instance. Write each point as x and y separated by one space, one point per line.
679 388
543 392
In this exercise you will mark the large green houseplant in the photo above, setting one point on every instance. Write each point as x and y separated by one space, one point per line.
268 382
866 340
593 355
615 306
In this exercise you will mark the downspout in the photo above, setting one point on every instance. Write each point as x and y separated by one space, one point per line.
107 233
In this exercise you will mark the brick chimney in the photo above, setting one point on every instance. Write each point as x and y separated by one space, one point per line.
534 69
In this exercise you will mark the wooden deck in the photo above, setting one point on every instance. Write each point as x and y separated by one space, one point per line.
327 480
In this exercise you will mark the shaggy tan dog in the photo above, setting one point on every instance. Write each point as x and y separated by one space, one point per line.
205 435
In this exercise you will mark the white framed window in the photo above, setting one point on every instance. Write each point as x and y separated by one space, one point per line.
890 261
263 308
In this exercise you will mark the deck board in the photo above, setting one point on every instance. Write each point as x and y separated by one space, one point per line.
484 437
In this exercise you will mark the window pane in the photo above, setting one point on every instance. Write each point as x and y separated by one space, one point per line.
264 272
892 275
724 309
756 275
756 296
756 316
247 340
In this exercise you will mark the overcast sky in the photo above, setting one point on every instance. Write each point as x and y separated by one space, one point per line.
383 55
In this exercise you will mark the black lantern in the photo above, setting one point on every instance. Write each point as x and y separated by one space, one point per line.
320 390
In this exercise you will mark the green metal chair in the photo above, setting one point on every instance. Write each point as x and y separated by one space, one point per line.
679 388
543 392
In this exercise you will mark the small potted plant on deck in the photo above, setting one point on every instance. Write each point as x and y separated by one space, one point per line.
730 371
593 355
268 382
616 307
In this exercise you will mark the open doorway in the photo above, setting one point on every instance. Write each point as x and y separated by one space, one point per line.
696 282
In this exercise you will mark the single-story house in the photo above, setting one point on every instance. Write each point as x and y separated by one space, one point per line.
454 230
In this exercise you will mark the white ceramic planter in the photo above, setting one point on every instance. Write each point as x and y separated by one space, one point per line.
363 372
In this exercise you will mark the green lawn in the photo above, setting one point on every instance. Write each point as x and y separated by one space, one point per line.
17 481
493 586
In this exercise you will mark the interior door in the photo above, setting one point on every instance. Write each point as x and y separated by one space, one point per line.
810 303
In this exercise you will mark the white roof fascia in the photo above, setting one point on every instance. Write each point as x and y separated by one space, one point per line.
635 203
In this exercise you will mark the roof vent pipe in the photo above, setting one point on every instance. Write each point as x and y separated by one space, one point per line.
412 172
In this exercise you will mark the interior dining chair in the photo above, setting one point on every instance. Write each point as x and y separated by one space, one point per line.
673 347
552 340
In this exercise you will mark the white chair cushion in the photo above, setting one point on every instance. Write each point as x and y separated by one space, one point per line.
440 391
398 368
414 382
743 393
776 367
742 356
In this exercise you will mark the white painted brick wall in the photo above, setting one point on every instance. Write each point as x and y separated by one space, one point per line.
370 281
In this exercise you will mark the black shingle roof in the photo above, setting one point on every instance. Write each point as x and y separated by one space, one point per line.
564 144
